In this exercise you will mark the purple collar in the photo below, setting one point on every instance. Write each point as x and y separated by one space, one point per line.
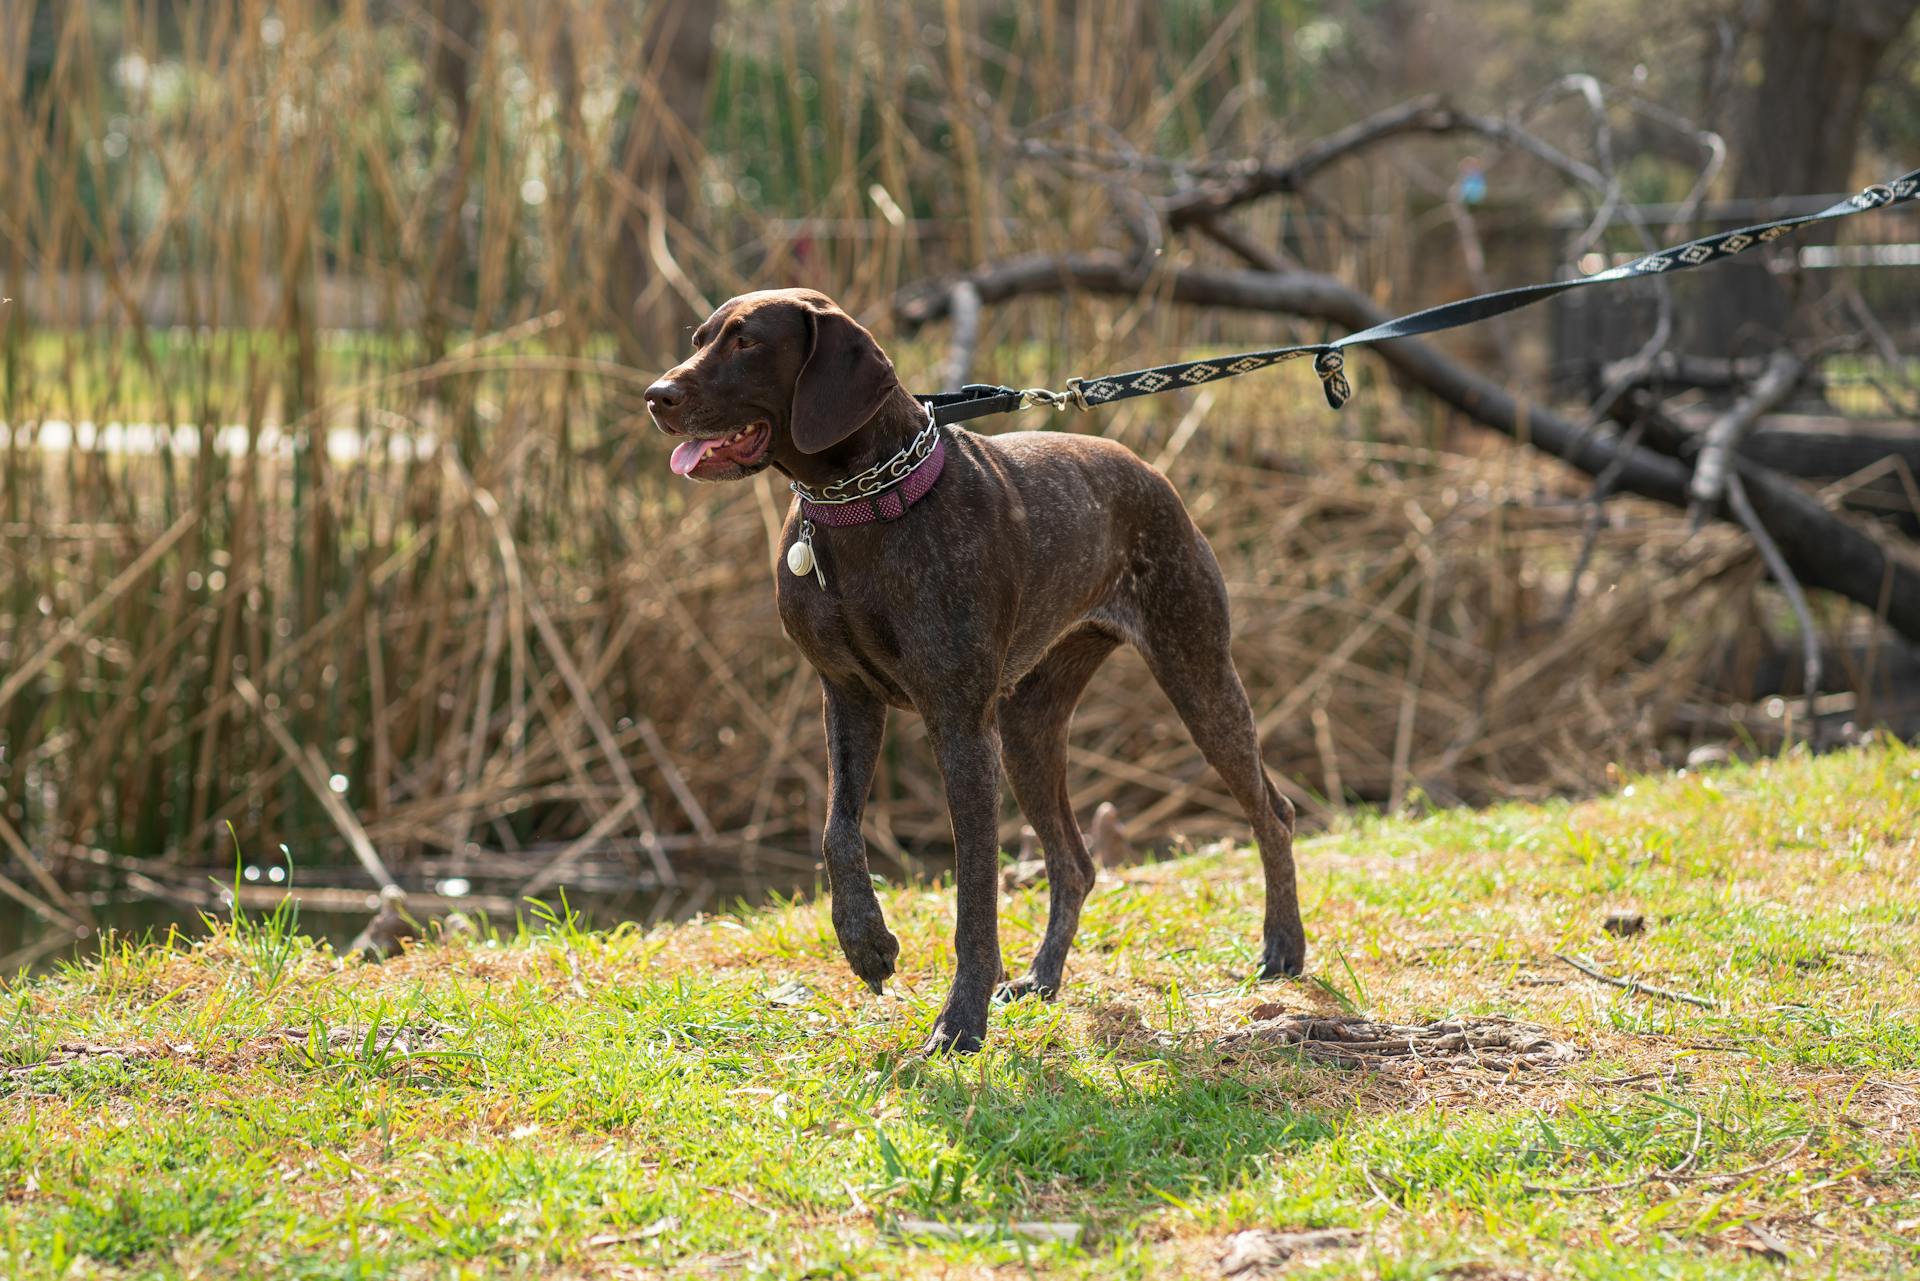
890 503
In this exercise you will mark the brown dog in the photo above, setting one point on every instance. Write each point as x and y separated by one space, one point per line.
979 580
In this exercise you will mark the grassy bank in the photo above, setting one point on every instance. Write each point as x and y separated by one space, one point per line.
723 1097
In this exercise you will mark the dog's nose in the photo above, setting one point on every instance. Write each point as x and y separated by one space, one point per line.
665 394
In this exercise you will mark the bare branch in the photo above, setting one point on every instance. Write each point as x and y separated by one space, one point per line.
1231 237
1776 382
1709 373
1248 182
1777 566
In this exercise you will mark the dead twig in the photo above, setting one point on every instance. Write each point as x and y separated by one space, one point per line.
77 626
1776 382
1492 1044
303 761
1366 1172
1593 971
1810 670
1596 517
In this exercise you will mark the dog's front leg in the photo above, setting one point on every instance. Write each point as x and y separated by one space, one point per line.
969 756
855 723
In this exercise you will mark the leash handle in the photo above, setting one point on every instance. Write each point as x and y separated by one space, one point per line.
977 400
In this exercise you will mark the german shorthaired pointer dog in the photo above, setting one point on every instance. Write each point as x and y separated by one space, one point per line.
979 580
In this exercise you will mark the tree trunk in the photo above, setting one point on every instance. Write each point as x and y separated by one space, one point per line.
1798 130
1800 126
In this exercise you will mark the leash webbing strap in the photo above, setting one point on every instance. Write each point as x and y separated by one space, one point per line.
977 400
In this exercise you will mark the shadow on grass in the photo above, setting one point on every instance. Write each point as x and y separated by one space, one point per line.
1131 1133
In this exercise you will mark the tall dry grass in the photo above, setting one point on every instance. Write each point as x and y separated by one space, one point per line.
404 574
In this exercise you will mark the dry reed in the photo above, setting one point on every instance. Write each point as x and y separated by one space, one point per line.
412 548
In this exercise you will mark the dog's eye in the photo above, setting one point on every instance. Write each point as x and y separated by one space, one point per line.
743 341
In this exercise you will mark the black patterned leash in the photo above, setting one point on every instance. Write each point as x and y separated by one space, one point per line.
977 400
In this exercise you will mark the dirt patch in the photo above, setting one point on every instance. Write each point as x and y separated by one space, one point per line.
387 1038
1260 1251
1484 1044
69 1053
1478 1271
1115 1024
340 1040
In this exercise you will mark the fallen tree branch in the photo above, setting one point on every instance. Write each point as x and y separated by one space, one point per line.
1587 88
1235 240
1708 373
1317 297
1812 454
1824 549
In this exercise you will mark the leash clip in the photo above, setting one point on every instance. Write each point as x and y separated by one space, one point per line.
1874 197
1076 394
1031 396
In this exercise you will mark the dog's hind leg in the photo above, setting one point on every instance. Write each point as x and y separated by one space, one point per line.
1184 637
855 723
1033 744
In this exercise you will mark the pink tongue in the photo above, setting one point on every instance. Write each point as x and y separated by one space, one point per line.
687 455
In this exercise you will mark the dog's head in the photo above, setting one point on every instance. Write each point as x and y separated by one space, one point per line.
774 373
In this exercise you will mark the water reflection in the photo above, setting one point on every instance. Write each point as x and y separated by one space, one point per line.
335 914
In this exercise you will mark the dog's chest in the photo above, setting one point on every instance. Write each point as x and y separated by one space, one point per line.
849 637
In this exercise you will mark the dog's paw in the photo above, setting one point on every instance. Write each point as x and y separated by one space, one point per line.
1286 961
951 1037
1025 985
871 949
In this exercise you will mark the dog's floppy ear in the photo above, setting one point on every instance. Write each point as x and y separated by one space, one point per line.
846 378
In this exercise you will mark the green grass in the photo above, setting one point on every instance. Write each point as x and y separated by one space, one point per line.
634 1103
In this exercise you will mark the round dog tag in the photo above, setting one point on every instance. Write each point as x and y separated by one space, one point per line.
800 559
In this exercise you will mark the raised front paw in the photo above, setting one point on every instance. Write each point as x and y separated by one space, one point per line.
870 948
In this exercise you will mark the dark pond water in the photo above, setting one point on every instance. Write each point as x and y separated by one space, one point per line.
29 942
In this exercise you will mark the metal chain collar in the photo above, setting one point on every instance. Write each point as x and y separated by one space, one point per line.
878 478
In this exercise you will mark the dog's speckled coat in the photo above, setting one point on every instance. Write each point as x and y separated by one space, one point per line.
986 607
